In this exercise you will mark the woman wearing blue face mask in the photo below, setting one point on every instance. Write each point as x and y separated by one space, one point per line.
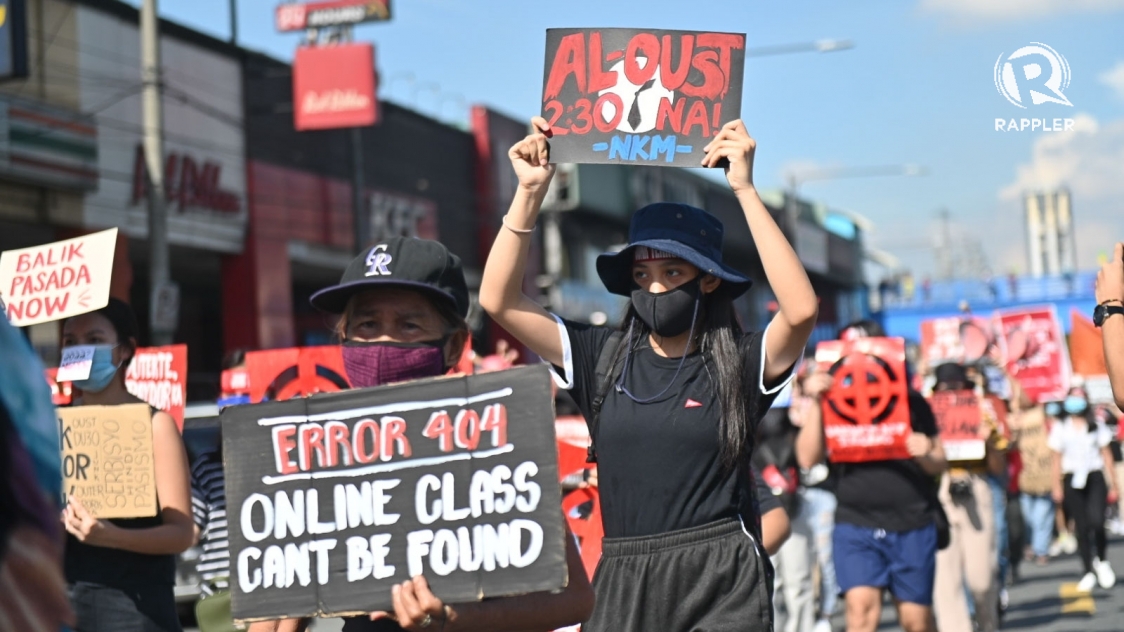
402 307
122 572
1084 478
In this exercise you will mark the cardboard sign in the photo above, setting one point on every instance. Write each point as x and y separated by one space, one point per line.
76 363
958 339
335 498
958 419
57 280
1036 351
866 411
158 375
107 459
334 86
639 96
282 374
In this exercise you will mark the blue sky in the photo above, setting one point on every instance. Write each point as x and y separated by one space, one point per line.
917 88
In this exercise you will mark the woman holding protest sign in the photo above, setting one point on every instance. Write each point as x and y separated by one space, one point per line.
889 540
1085 481
122 572
682 389
407 322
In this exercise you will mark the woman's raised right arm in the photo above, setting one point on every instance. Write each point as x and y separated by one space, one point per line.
501 290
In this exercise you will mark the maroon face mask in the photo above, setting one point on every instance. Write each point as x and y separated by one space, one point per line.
375 363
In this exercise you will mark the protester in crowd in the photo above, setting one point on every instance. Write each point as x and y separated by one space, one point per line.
1085 480
408 323
687 390
889 540
1110 300
818 502
122 571
1029 431
33 594
970 559
1064 543
774 458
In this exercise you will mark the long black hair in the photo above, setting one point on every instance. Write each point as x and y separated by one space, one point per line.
719 339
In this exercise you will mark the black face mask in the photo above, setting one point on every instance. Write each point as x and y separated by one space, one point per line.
668 313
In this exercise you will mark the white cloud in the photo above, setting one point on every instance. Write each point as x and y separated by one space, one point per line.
1005 10
1089 161
1114 79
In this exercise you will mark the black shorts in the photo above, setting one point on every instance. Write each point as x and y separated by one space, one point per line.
141 608
711 578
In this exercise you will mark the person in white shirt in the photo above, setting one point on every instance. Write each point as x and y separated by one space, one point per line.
1085 481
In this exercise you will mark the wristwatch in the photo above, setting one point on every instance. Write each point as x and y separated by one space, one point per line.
1104 310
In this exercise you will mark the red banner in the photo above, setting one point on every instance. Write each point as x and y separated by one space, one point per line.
958 419
283 374
1036 351
334 86
866 411
158 375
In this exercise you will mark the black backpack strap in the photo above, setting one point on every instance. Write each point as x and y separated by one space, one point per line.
605 372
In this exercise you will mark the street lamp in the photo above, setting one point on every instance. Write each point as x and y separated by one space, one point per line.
818 46
796 179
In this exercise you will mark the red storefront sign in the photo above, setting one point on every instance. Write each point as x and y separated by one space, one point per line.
187 184
334 86
313 15
866 411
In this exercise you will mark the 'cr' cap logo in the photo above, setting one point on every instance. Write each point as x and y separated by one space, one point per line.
378 261
1045 90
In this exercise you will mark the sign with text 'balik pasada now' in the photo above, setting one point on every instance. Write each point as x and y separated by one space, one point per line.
639 96
334 498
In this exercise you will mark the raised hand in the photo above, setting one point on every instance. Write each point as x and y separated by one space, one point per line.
733 143
530 157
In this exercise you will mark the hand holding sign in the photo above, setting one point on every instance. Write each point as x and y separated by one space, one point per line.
81 524
734 145
531 157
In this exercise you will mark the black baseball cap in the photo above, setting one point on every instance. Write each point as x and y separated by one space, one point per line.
406 262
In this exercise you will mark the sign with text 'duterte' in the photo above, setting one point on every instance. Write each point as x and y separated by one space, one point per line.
335 498
57 280
639 96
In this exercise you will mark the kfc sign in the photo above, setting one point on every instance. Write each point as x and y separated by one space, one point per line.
394 215
334 86
315 15
187 184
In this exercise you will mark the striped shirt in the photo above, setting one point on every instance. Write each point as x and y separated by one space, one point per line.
208 503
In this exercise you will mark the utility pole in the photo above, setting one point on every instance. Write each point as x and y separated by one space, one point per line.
234 22
164 296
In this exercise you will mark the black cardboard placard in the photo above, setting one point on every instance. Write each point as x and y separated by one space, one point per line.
639 96
454 479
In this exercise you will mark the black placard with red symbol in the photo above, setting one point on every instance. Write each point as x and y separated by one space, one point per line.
336 497
866 411
639 96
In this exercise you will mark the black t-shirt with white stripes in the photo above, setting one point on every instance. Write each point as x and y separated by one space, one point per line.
208 503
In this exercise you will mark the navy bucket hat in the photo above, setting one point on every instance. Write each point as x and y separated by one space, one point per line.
680 230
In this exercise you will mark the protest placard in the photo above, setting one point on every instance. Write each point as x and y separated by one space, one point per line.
960 339
866 411
158 375
1037 355
107 459
334 498
639 96
281 374
958 420
57 280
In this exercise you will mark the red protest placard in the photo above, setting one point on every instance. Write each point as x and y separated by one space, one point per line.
958 339
958 419
1037 355
639 96
866 411
334 86
282 374
158 375
57 280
